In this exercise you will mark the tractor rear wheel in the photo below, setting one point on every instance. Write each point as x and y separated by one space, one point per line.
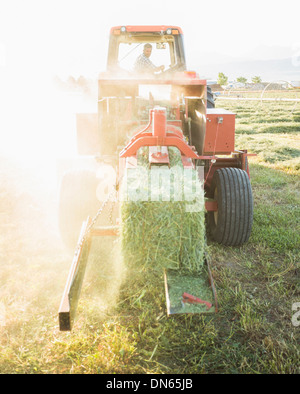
77 201
231 224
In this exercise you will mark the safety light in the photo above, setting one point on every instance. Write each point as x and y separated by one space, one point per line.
191 74
169 31
123 29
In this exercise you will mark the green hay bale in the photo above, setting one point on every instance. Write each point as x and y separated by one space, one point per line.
162 214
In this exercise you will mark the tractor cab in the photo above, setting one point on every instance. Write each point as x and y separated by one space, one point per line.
127 42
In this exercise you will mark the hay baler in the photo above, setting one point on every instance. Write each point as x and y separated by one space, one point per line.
173 108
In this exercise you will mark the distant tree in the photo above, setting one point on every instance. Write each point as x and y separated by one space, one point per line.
241 79
81 81
222 79
57 81
71 80
256 79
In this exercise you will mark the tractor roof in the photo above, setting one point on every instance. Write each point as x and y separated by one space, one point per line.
147 29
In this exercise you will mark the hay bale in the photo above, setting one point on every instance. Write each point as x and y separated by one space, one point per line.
162 215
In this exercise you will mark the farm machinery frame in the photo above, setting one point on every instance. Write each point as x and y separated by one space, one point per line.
174 108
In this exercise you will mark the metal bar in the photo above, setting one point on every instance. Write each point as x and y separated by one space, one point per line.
258 99
212 285
68 305
211 205
180 80
170 140
158 155
187 162
195 300
105 231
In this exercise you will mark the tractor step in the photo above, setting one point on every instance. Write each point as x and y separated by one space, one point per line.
189 293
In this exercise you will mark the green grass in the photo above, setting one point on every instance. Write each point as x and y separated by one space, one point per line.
269 129
122 326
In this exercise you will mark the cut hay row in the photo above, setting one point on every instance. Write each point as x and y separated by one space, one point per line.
162 214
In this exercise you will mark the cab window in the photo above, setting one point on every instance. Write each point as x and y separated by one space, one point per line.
129 52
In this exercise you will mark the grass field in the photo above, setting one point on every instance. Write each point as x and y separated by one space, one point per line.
122 327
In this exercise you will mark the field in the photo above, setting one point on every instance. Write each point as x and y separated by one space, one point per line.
123 327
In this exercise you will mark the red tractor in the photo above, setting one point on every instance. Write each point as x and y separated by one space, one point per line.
154 101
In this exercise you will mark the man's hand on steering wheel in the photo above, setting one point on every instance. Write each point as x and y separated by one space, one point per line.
160 68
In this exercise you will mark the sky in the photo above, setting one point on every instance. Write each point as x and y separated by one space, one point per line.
43 38
71 36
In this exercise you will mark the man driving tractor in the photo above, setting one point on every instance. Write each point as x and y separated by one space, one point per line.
143 63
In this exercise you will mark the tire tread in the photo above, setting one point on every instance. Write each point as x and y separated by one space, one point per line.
235 207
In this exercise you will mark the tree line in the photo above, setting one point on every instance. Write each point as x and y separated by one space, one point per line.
223 79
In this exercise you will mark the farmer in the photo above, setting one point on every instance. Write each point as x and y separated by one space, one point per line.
143 63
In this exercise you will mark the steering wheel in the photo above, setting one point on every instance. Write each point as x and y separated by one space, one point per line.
170 70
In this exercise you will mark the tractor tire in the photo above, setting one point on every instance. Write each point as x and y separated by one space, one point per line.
210 98
77 201
231 225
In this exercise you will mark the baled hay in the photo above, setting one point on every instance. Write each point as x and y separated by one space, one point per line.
162 216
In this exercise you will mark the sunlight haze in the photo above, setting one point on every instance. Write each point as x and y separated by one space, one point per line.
71 37
43 39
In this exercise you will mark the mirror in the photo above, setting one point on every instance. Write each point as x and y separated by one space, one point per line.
161 45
